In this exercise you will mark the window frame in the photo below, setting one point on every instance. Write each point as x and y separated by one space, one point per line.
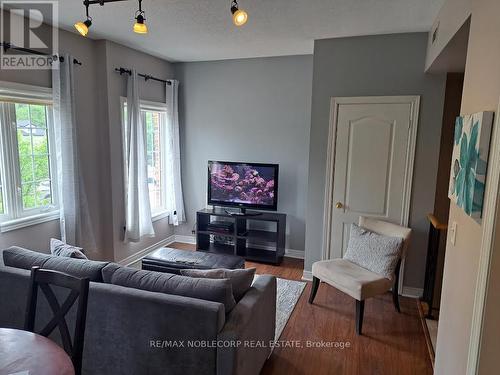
147 105
15 215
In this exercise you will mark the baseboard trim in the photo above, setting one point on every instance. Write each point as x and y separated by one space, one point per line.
411 292
142 253
185 239
292 253
307 275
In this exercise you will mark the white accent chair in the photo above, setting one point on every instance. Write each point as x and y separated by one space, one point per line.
357 281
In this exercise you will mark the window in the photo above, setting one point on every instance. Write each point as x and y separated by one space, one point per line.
27 165
154 117
2 211
154 133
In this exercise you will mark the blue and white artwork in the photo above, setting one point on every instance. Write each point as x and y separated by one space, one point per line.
470 161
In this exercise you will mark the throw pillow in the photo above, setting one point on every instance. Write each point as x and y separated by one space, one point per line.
373 251
241 279
59 248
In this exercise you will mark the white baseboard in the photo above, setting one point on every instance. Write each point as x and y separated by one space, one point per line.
297 254
307 275
142 253
411 292
185 239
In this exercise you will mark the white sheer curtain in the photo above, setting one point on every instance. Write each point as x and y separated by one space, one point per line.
175 204
76 228
138 221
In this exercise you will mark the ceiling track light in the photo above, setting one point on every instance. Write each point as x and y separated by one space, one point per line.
240 17
83 27
139 26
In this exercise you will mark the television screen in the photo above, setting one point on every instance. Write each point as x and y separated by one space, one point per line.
243 184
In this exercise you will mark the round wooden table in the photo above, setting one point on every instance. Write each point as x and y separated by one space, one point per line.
27 352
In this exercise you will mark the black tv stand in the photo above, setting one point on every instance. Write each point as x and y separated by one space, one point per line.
258 245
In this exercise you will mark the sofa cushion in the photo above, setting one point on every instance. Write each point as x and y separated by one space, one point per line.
216 290
241 279
80 268
22 258
373 251
59 248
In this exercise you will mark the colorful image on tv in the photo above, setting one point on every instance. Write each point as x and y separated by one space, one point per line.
242 184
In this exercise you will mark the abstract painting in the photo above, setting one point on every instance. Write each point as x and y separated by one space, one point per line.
470 161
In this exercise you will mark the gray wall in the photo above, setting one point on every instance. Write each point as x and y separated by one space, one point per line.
376 65
255 110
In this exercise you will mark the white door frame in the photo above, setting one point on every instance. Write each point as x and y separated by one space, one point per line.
330 161
489 216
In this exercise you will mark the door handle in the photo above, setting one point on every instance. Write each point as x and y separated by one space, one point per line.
339 205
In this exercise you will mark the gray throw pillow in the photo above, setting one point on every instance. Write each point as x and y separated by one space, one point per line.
241 279
59 248
373 251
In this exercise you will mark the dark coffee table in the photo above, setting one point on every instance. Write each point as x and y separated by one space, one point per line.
171 260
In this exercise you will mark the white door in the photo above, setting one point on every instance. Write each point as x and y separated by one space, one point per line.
370 174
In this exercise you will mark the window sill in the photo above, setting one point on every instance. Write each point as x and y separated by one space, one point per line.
24 222
159 215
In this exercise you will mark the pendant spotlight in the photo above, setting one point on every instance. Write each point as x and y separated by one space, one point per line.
139 25
240 17
83 27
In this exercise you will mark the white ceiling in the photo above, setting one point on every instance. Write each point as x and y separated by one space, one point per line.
199 30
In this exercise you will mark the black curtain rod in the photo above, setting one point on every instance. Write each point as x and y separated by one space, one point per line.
145 76
6 46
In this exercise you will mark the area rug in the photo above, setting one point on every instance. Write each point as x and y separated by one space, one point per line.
287 295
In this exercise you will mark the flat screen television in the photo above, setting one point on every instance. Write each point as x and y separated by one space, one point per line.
243 185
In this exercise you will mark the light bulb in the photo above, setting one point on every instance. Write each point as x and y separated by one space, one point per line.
83 27
240 17
139 26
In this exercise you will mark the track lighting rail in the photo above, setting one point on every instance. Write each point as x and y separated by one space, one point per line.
100 2
6 46
146 77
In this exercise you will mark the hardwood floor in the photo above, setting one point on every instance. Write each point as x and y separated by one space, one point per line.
392 343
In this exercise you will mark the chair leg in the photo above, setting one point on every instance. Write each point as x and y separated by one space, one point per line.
314 289
360 310
395 288
395 297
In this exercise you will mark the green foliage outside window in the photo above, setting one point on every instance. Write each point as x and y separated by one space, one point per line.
32 140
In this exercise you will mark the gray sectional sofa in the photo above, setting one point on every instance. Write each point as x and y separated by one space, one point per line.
134 331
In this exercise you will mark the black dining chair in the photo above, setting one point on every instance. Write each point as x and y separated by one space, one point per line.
43 279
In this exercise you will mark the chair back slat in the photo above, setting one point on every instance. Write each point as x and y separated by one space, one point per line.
58 319
43 279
